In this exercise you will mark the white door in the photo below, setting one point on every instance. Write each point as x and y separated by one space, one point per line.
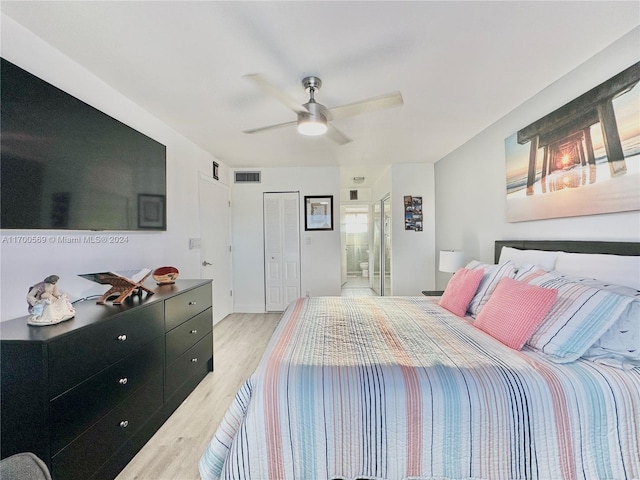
281 249
215 243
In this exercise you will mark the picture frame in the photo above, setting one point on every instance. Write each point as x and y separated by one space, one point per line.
413 213
318 212
151 211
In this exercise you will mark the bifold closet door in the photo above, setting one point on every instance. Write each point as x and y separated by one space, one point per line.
281 249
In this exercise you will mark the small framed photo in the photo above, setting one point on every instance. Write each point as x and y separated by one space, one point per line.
318 213
151 211
215 170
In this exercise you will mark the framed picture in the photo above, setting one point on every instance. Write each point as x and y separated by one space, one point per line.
151 211
318 213
215 170
413 213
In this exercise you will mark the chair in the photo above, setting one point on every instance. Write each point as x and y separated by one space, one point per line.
23 466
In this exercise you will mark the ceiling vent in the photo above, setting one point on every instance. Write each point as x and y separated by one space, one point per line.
246 177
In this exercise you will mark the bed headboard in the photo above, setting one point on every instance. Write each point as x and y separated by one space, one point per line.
571 246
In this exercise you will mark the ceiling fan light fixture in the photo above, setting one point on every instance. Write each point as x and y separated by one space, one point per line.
312 122
312 126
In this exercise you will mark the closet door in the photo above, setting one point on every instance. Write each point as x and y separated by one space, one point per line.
281 249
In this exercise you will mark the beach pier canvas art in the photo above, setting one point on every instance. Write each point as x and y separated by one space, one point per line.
581 159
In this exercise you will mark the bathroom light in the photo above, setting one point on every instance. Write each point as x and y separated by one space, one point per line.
451 260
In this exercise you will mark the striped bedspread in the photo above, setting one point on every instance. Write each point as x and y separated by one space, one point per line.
398 388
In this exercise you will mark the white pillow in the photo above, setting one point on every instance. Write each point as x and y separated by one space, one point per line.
490 279
618 269
546 260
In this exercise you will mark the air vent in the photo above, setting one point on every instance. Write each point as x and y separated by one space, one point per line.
247 177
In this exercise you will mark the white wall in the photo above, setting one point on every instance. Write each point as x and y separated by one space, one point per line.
319 251
470 182
23 264
412 255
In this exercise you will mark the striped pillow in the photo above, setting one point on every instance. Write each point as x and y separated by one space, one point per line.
514 311
460 290
492 274
578 318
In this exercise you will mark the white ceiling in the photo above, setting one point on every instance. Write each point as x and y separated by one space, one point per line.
460 66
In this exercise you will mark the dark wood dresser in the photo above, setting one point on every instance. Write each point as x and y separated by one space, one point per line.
85 395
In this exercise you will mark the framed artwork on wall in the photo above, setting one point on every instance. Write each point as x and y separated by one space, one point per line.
581 159
318 212
151 211
413 213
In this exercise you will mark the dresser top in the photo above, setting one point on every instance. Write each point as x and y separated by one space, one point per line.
89 313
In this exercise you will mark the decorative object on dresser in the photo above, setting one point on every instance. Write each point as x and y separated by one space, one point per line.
47 305
165 275
122 284
87 394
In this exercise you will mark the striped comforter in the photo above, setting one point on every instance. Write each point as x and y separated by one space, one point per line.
398 388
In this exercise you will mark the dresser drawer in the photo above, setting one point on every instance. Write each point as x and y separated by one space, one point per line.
76 357
193 360
76 410
186 305
183 337
87 453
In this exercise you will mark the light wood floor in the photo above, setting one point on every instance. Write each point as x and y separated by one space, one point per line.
174 451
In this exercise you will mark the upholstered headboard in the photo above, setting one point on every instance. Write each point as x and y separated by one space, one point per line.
571 246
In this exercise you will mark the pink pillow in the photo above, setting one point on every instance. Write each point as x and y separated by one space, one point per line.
460 290
514 311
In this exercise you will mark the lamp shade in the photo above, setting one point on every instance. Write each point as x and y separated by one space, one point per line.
451 260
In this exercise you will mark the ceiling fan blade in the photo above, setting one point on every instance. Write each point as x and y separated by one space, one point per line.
271 127
365 106
272 90
336 135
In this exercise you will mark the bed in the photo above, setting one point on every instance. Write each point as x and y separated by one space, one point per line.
401 388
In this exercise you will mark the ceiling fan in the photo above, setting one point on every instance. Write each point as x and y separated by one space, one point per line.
313 117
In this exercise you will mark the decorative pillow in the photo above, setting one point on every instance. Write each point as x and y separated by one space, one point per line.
460 290
492 274
546 260
620 345
514 311
578 318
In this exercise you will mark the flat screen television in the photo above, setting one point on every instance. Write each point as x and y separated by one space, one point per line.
66 165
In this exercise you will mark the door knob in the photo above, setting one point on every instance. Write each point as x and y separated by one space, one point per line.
205 263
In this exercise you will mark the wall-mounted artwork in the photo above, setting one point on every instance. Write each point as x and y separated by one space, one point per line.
581 159
318 212
413 213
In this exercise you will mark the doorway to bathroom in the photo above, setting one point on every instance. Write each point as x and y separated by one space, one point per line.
356 245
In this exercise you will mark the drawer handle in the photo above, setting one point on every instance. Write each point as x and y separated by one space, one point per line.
192 303
194 331
122 338
194 360
123 381
124 423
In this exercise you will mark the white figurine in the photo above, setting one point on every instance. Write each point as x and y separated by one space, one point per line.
47 305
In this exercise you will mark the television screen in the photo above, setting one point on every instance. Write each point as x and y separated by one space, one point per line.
66 165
